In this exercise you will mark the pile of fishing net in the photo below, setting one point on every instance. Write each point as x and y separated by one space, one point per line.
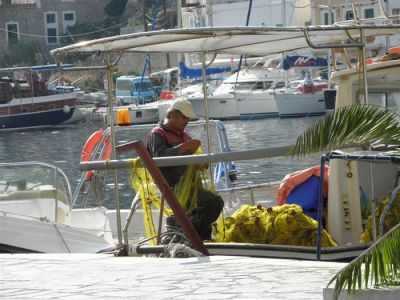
280 225
392 218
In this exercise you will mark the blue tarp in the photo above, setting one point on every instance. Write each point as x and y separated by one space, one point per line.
186 72
303 62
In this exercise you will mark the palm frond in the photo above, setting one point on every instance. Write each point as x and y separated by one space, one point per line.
381 264
355 124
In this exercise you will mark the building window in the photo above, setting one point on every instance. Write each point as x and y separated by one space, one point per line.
69 16
51 24
12 33
51 35
328 20
39 108
25 109
369 13
50 18
52 106
349 15
68 19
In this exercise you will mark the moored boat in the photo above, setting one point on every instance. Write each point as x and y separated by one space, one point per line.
298 100
37 214
246 95
344 179
29 103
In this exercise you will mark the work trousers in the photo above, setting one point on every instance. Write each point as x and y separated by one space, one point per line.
209 207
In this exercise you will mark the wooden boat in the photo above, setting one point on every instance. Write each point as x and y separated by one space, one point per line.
28 103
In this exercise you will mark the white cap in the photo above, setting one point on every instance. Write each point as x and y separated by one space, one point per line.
184 106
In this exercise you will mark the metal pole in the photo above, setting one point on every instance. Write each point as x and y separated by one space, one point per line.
387 8
113 154
205 93
241 56
320 204
187 159
362 62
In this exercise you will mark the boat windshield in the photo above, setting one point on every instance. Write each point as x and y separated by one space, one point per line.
34 189
253 85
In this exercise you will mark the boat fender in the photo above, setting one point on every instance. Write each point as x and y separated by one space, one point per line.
90 146
66 109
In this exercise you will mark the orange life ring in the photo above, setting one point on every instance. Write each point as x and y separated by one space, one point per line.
90 146
394 50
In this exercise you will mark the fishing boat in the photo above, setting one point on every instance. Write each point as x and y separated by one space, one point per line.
344 222
36 213
27 103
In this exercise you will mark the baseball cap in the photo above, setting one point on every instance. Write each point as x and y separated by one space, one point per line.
184 106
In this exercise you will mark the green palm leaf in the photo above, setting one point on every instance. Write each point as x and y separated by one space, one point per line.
359 125
381 264
348 125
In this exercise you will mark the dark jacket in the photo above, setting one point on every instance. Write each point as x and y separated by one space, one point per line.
163 142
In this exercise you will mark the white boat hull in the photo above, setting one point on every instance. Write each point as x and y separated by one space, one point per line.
23 235
257 104
132 114
300 105
222 107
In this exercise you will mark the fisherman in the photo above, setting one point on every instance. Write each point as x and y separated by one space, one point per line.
171 139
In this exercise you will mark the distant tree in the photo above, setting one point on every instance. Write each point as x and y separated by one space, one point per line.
115 8
86 31
21 53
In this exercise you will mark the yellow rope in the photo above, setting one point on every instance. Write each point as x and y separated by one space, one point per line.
193 180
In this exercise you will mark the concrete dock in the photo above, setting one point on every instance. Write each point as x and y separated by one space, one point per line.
105 276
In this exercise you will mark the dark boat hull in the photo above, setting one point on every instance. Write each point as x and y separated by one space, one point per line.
36 119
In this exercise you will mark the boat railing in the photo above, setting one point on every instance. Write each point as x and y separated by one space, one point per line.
224 173
249 155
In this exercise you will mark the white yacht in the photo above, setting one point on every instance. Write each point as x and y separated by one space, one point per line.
247 95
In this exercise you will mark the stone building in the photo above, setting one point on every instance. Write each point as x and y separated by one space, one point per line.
43 21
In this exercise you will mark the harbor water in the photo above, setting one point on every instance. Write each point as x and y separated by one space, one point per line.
62 147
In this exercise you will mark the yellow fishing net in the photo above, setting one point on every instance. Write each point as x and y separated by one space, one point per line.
279 225
391 219
283 225
195 178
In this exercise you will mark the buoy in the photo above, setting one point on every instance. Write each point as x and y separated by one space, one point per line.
66 109
90 147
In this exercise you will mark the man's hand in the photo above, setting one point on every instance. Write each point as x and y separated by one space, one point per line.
202 167
189 147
